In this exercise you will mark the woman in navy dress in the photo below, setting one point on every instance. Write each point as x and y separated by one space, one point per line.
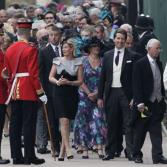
66 74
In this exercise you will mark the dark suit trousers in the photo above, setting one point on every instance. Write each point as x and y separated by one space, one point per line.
117 116
151 124
23 119
2 120
54 123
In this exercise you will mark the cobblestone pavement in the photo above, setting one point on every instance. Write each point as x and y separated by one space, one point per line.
93 160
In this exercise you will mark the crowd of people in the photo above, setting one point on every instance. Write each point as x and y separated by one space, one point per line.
80 68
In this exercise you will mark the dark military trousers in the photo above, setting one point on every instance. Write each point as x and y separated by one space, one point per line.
23 122
2 120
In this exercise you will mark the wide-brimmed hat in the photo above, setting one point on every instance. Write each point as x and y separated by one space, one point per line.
93 42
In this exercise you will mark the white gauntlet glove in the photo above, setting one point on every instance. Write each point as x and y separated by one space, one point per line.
43 98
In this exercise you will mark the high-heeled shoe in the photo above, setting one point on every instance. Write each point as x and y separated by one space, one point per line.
101 156
69 154
85 154
94 149
79 150
60 159
100 153
70 157
85 157
61 156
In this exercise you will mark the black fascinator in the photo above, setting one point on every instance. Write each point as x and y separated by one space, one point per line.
93 42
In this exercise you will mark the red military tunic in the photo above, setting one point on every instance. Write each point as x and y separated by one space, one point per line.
26 87
3 83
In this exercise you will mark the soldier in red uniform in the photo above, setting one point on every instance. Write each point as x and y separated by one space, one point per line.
24 91
3 94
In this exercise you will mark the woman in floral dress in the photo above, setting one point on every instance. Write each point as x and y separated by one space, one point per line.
89 125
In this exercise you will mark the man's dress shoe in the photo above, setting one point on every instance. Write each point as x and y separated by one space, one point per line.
108 157
138 160
117 154
4 161
161 160
35 160
130 157
43 151
18 161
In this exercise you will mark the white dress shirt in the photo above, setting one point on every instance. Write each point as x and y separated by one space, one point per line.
59 48
116 83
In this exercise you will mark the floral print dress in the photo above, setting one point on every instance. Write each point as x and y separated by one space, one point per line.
89 125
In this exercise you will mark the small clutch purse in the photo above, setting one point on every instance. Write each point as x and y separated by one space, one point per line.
146 113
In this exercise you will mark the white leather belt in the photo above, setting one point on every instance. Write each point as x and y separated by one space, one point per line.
18 75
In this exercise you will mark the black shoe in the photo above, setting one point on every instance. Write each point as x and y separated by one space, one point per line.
138 160
60 159
4 161
79 151
17 161
6 135
130 157
126 154
108 157
35 161
162 160
101 156
43 151
70 157
117 154
85 157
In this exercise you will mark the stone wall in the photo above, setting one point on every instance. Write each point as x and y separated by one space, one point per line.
20 2
33 1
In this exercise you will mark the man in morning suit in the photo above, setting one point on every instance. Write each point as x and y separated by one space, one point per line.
115 89
148 91
46 56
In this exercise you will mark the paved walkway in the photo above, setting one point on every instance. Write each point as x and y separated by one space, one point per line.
93 160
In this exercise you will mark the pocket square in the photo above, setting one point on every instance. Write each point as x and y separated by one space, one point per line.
129 61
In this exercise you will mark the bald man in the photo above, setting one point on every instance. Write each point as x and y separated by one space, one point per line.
149 102
42 36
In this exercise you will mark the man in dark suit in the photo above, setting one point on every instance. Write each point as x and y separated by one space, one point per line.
42 36
148 92
116 86
46 56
